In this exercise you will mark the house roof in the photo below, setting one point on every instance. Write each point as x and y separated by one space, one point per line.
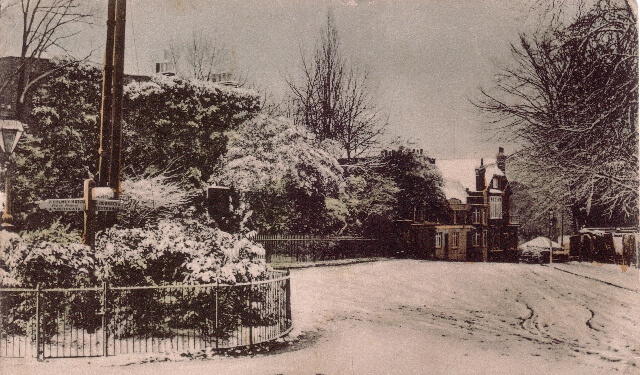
539 242
459 175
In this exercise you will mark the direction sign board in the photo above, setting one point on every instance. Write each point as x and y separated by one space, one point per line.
108 204
73 204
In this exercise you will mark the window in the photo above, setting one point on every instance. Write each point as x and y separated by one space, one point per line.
476 238
496 184
495 207
476 215
438 239
454 239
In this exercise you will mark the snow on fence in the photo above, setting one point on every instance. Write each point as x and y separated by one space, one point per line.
106 321
302 248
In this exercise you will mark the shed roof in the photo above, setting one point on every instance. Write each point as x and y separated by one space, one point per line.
539 242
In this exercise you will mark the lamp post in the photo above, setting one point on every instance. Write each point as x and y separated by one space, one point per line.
550 239
10 133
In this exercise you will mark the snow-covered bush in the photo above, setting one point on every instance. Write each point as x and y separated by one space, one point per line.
170 253
52 264
169 122
282 176
57 233
9 241
182 123
150 198
177 252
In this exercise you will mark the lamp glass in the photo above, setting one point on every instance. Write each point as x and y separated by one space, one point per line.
8 138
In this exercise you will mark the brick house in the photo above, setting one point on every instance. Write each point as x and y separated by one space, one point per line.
480 226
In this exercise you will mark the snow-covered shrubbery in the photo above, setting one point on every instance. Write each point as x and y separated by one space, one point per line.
182 123
170 124
150 198
182 252
177 252
170 253
283 178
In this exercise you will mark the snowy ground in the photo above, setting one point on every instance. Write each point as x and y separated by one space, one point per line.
420 317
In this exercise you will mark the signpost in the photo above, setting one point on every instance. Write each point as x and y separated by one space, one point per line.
95 199
77 204
108 204
73 204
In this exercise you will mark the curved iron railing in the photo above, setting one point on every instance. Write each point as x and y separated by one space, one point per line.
105 321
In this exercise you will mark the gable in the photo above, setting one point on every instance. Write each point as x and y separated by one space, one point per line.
460 174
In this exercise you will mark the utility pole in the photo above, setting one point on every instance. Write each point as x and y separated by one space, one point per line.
107 99
110 151
115 171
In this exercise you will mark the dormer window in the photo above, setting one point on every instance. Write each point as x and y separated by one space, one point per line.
496 183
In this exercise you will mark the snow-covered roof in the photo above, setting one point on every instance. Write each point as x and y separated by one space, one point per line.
539 242
460 174
454 189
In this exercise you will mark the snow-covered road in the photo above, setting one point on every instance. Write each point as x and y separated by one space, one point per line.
420 317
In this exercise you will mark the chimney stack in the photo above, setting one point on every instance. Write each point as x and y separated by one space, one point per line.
501 159
480 172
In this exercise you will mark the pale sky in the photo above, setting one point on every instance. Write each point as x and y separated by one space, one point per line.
426 57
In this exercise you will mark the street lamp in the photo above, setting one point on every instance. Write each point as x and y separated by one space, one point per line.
10 133
550 239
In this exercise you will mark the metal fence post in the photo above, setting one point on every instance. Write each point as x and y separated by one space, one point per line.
250 315
216 329
105 334
288 295
38 352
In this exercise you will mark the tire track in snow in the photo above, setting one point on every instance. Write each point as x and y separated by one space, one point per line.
588 323
594 279
598 348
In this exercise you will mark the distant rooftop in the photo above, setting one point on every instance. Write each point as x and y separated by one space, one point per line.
459 175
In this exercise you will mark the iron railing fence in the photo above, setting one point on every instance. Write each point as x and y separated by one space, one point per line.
300 248
106 321
17 322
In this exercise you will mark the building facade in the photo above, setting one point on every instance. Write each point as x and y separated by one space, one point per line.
479 227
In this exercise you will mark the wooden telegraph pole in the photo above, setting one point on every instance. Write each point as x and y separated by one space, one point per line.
115 171
110 151
107 99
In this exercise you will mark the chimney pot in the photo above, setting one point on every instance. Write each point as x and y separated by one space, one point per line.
501 159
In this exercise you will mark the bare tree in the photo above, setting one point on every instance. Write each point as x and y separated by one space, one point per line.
46 25
334 98
571 99
202 57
